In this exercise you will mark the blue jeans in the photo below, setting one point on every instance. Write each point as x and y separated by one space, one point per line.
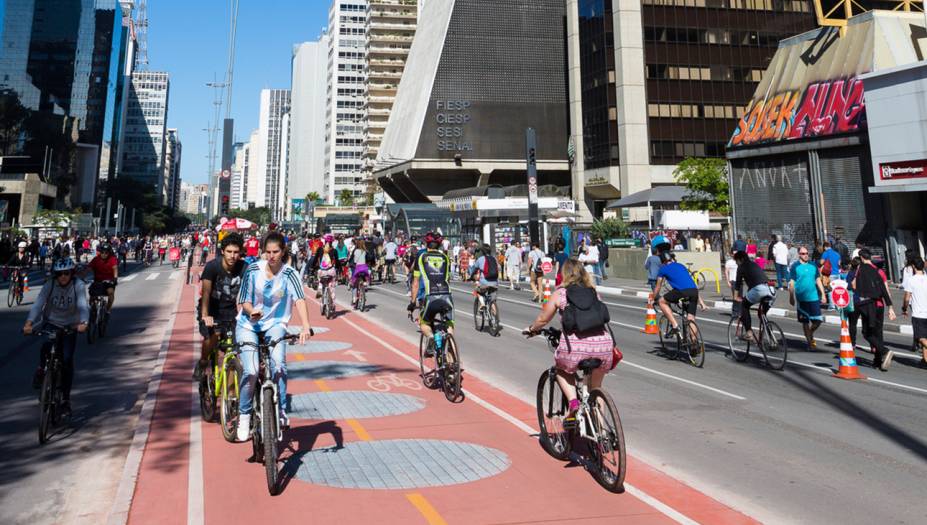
250 364
782 275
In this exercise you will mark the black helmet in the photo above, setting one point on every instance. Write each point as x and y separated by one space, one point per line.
106 247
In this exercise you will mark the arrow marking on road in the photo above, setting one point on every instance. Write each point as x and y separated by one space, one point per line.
356 355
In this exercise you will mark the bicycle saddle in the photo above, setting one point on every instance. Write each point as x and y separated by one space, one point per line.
589 364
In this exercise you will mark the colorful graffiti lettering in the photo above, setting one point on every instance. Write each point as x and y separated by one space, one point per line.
826 108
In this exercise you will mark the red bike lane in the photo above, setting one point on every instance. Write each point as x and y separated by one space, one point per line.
369 442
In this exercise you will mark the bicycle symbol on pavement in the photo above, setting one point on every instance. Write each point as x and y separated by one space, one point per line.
386 382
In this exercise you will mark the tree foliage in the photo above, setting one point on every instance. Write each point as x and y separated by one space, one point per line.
346 197
260 216
611 228
312 197
53 217
707 182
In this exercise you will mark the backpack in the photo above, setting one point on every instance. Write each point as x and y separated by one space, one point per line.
826 268
584 311
869 283
490 268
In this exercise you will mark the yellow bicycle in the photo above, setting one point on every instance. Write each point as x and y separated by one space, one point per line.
219 389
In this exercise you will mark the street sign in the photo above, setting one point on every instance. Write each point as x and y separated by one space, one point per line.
547 265
226 174
839 294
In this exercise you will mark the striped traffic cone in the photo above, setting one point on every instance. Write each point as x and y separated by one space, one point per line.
650 322
848 368
546 292
25 283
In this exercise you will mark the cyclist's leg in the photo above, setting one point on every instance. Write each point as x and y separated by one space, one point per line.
110 298
664 301
249 365
567 382
278 363
426 316
68 346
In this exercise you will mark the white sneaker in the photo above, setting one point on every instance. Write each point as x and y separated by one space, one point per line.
244 428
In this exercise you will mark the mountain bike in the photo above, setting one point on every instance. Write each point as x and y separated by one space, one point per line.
486 311
14 294
688 339
265 423
596 421
769 338
439 360
99 318
51 396
221 382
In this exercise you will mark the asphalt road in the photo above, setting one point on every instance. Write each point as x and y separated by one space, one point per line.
791 446
74 477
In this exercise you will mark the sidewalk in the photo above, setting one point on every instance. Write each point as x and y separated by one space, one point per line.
617 286
369 443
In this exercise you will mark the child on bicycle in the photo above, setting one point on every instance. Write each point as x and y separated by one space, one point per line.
577 288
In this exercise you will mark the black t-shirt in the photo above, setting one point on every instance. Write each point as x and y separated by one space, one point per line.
752 274
223 301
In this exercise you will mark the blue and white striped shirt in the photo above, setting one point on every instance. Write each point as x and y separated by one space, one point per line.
274 296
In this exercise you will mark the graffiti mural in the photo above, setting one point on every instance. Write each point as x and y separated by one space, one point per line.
823 108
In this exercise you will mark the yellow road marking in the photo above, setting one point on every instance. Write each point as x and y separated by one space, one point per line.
353 423
299 357
425 508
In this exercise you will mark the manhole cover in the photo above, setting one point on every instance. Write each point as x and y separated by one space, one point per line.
327 369
353 405
317 347
398 464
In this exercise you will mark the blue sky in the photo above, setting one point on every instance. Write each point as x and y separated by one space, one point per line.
188 39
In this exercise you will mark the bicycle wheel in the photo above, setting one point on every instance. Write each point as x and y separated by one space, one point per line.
453 372
479 317
207 394
552 408
362 298
10 295
46 405
663 326
495 325
228 410
609 445
694 346
775 347
740 349
102 321
269 422
19 294
427 365
699 280
92 324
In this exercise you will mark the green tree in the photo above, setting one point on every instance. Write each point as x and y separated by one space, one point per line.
260 216
53 217
611 228
707 182
312 197
346 197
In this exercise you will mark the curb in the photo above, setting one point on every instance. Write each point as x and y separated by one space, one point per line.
775 312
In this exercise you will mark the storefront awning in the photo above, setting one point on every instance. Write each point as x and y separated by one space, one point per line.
657 195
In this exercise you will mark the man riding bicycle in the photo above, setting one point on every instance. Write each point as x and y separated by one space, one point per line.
390 250
757 289
683 287
218 304
105 269
432 269
488 268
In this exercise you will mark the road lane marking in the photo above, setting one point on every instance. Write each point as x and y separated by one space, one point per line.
174 275
666 510
829 370
152 276
129 277
425 508
353 423
196 506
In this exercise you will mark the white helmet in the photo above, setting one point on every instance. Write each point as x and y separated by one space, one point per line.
22 244
64 264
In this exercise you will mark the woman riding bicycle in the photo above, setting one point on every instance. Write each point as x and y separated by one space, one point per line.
326 263
269 290
574 347
359 267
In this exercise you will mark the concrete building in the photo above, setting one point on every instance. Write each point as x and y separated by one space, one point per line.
281 207
263 186
390 29
253 175
239 169
307 161
146 131
477 76
193 198
345 98
656 81
172 155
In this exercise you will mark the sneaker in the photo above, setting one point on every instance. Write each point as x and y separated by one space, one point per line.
570 418
38 377
886 360
66 408
198 370
672 332
243 433
430 349
812 345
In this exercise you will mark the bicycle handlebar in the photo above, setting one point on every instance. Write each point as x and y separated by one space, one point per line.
274 342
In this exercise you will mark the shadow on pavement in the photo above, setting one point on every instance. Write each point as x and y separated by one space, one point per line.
305 438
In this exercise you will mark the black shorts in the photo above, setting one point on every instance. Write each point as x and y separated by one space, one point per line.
435 304
674 296
100 288
920 328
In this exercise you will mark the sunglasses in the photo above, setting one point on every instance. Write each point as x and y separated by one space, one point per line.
802 253
59 274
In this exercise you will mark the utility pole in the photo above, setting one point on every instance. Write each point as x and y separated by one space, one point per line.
534 230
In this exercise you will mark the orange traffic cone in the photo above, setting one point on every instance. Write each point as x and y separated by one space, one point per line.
848 368
25 283
650 322
546 291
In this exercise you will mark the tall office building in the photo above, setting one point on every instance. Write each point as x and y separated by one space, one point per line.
654 82
61 81
390 29
307 119
280 200
172 154
264 176
345 99
253 177
239 171
146 131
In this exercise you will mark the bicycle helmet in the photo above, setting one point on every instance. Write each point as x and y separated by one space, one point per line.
432 238
106 247
64 264
22 245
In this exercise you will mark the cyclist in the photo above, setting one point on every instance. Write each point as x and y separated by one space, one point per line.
390 250
162 249
488 268
61 303
18 262
574 347
204 244
432 270
683 286
757 289
221 280
326 264
105 269
269 291
409 257
359 267
343 251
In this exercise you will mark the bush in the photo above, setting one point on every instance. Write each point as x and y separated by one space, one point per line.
611 228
